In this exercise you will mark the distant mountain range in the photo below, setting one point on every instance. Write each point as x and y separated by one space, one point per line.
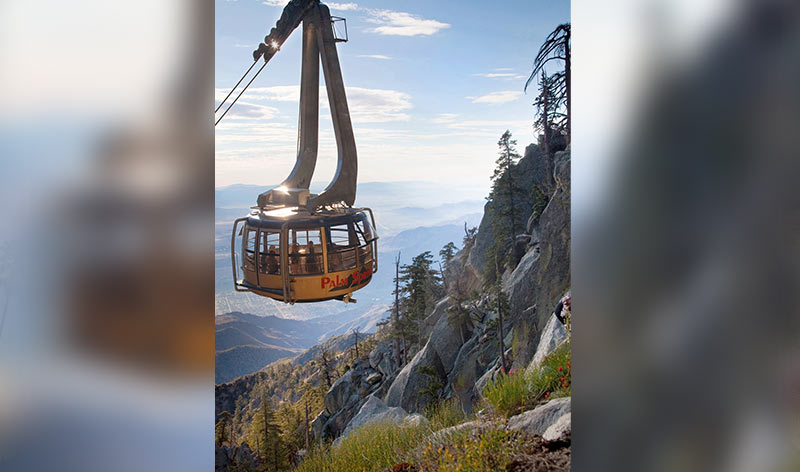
245 343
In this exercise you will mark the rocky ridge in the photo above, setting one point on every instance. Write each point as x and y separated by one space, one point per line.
463 356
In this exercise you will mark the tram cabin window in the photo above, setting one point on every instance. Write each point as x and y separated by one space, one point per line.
305 252
249 262
365 232
269 254
342 248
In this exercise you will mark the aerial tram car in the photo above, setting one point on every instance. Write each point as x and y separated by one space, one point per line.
295 246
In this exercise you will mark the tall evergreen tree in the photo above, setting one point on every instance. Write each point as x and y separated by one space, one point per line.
447 252
503 199
265 434
546 105
421 286
223 430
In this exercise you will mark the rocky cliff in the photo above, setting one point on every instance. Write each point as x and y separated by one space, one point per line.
462 353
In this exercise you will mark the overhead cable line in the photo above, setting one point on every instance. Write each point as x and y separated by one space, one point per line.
237 84
240 94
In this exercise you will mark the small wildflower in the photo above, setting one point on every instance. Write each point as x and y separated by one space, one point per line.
560 368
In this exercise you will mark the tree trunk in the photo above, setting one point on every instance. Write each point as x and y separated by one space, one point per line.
503 364
567 79
397 308
308 437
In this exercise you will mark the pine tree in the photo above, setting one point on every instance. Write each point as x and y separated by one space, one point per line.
265 434
506 192
546 112
223 429
325 362
421 286
447 252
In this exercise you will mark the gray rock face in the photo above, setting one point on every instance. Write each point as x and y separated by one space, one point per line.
538 420
318 424
560 429
553 335
375 410
442 435
447 337
472 362
382 358
345 398
404 391
439 312
489 376
535 168
234 458
543 273
340 393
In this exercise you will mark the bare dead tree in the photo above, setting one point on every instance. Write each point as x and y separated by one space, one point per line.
326 366
308 436
355 344
396 313
500 332
556 47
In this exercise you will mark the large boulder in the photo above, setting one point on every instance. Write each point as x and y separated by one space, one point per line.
374 410
318 424
560 429
234 458
439 312
341 392
475 357
538 420
382 358
447 336
345 398
405 389
553 335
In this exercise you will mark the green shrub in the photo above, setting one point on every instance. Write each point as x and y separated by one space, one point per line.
490 448
444 414
511 394
373 447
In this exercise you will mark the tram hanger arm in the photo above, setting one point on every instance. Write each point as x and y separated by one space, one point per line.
292 16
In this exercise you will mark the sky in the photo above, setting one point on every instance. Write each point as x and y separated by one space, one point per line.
431 86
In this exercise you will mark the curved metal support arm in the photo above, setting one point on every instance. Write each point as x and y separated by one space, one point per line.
318 42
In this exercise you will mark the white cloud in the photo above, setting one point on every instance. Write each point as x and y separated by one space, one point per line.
343 6
244 46
252 111
496 98
375 56
366 105
278 93
445 118
397 23
276 3
501 75
502 69
377 106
